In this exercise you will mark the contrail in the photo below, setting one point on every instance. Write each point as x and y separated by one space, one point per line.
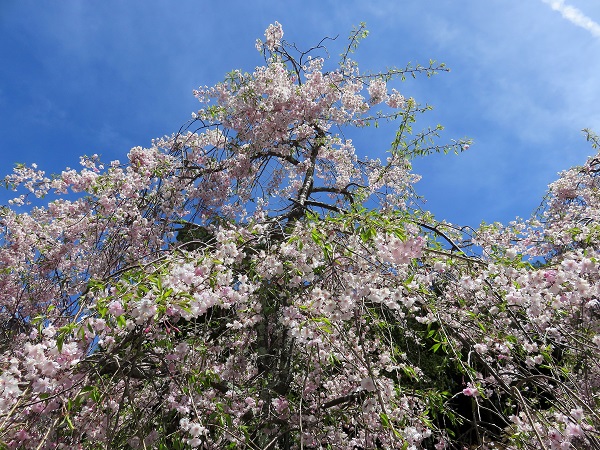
575 16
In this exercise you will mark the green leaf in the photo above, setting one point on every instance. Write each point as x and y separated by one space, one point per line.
436 347
367 234
60 340
121 321
385 421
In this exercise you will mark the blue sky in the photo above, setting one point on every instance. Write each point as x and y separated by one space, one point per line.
83 77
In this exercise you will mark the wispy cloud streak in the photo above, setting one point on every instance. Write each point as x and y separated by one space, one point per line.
575 16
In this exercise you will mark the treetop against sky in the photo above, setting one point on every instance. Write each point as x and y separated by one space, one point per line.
90 79
252 281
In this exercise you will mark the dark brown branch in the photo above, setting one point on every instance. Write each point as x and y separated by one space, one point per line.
354 397
288 158
343 191
316 204
307 184
440 233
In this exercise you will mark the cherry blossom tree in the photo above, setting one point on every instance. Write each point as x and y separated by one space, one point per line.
252 282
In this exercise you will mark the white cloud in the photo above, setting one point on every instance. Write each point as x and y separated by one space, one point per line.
575 16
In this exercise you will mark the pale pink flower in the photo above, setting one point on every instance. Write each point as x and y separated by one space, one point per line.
116 308
273 36
378 91
577 414
574 430
396 100
470 392
368 385
49 331
480 348
280 405
195 429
